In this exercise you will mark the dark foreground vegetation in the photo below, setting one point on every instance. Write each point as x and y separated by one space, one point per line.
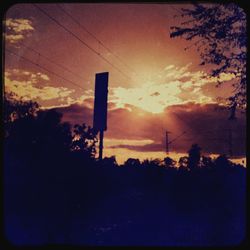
56 192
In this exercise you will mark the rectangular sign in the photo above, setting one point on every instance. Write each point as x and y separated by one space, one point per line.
101 101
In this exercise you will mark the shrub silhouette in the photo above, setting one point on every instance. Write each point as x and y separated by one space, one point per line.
169 162
109 161
84 140
15 108
183 162
132 162
194 155
222 162
207 162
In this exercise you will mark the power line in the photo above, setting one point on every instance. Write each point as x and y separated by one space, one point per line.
93 36
176 9
228 141
167 142
190 127
184 132
48 59
80 40
42 67
177 137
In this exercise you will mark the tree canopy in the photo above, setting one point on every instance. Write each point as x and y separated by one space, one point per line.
219 34
27 128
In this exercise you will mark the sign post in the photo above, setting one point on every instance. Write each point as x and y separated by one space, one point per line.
101 107
101 145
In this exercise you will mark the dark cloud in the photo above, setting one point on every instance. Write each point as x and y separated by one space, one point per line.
89 102
212 90
111 105
207 125
76 114
155 94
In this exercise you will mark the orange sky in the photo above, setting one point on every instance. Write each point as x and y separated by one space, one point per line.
157 74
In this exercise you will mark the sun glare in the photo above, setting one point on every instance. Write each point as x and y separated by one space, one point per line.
150 97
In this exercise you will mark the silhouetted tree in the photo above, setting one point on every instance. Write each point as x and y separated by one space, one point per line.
194 155
41 137
132 162
109 161
84 140
206 162
15 108
169 162
183 162
145 163
222 162
156 162
151 163
52 133
219 31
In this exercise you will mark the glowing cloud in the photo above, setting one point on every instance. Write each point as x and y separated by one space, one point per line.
19 24
175 85
17 29
24 84
150 97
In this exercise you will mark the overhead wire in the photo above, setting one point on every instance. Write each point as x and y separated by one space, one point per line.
53 62
44 68
80 40
177 137
93 36
184 132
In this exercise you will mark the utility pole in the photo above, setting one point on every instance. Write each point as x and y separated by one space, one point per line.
232 124
231 121
167 142
230 142
101 145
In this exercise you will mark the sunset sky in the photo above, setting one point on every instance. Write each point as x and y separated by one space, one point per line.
154 84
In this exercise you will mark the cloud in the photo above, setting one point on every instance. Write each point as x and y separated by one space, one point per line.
33 77
37 86
169 67
174 85
87 101
17 29
137 130
144 113
27 84
197 78
222 77
19 24
76 114
43 76
152 147
177 72
113 143
14 38
150 97
155 94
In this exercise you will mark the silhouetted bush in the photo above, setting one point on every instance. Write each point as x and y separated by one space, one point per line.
194 155
131 162
169 162
51 172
